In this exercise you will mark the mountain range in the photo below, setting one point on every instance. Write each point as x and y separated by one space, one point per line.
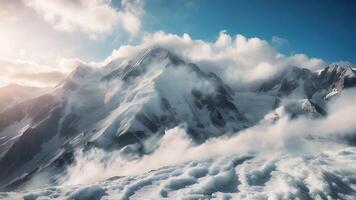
128 106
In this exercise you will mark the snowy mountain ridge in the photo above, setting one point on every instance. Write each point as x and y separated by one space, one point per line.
126 108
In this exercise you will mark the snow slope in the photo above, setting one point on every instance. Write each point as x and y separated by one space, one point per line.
118 106
328 175
155 126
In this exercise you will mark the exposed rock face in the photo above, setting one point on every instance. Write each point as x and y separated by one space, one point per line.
318 86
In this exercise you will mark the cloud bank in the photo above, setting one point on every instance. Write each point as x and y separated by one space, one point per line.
34 74
240 61
95 17
43 31
303 136
237 59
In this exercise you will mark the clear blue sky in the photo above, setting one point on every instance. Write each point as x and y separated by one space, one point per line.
318 28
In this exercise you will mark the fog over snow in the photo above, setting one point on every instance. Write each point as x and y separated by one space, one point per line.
286 137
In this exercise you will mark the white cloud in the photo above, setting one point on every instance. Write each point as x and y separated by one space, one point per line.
285 137
303 60
237 59
45 31
240 61
34 74
32 51
279 41
95 17
130 17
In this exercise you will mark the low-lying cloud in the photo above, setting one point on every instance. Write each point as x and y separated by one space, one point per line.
43 31
95 17
237 59
302 136
34 74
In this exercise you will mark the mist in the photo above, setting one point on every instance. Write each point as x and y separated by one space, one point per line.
301 136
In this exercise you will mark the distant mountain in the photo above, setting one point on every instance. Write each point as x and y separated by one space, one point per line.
303 83
126 105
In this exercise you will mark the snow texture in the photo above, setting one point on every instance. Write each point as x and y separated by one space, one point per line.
328 175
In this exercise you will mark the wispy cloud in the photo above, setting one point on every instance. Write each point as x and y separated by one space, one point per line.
235 58
95 17
42 31
31 73
279 41
285 137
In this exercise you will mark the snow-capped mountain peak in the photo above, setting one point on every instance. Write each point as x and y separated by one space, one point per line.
127 106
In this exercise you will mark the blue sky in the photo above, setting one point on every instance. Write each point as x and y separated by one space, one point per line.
324 29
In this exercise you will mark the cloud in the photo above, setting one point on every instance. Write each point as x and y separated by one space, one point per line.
95 17
239 60
284 137
279 41
130 17
241 57
33 74
49 78
45 31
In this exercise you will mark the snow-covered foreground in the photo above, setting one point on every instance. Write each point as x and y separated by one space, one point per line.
327 175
